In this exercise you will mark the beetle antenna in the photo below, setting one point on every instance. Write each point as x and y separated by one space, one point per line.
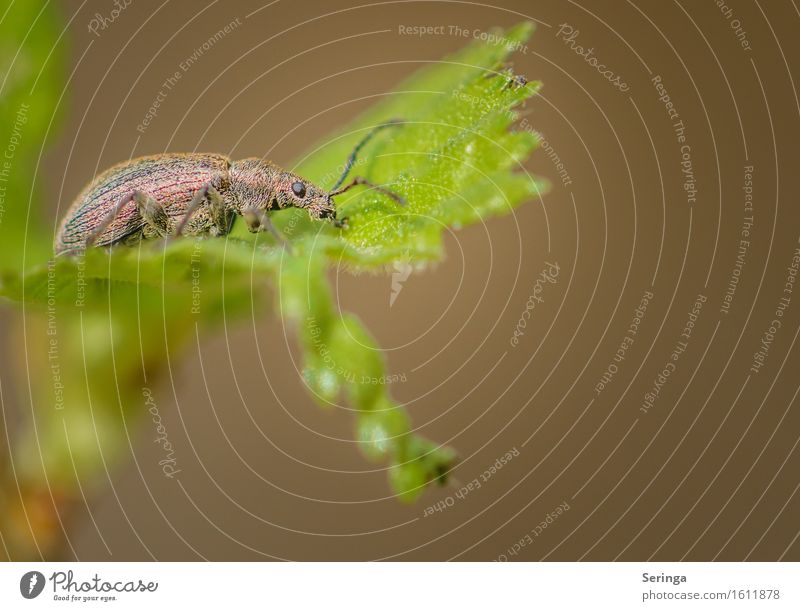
352 158
358 180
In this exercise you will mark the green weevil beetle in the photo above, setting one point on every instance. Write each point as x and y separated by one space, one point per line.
195 194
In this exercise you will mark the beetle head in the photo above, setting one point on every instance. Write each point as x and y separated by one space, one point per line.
256 183
299 193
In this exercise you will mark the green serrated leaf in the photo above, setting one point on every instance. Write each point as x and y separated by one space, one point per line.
455 159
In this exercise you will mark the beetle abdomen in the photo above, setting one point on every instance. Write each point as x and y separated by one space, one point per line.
171 179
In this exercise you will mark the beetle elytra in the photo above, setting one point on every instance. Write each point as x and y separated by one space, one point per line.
195 194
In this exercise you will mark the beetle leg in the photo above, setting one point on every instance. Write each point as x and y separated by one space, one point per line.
97 231
194 205
219 215
258 220
152 213
143 201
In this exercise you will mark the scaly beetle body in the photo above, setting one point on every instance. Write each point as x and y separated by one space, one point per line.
193 194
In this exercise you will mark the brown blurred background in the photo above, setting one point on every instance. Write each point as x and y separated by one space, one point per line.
710 471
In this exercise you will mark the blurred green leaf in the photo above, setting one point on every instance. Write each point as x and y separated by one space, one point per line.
32 76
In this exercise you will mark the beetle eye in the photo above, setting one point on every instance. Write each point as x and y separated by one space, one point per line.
299 189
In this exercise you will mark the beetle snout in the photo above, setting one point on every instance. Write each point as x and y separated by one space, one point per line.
322 207
326 209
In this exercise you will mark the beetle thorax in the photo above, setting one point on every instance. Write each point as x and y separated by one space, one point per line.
253 184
